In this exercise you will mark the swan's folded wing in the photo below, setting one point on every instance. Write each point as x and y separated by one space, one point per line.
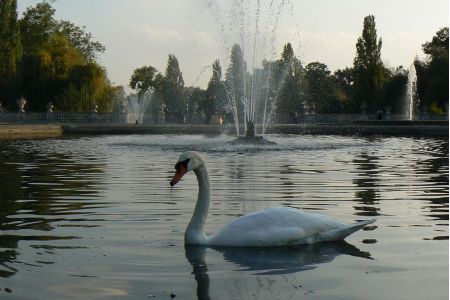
342 232
273 227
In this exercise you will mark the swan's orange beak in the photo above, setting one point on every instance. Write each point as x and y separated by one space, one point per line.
181 170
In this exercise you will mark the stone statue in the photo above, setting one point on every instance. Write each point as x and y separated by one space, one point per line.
21 103
364 111
94 108
93 114
161 114
50 107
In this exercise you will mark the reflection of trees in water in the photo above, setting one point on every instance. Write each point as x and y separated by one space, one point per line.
434 171
238 167
280 262
240 182
36 191
261 179
367 182
8 253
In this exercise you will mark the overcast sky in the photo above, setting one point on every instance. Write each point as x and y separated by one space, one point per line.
144 32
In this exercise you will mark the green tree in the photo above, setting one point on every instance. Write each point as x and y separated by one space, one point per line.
434 82
87 86
288 84
119 97
58 64
10 52
235 80
393 94
438 47
321 89
368 68
422 83
196 98
80 39
158 96
173 91
344 79
45 73
38 25
215 100
142 79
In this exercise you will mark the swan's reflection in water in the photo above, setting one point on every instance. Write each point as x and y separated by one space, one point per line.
268 260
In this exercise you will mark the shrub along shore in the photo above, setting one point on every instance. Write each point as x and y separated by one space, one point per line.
363 128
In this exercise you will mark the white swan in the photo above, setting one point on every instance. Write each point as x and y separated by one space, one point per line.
277 226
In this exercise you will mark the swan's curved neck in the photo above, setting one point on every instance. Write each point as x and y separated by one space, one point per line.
195 231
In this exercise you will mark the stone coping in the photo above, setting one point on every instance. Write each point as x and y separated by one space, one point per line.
386 128
19 131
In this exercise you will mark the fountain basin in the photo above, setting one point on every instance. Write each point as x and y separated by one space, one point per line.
252 140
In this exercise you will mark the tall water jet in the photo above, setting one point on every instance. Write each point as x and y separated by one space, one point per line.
249 28
411 93
139 105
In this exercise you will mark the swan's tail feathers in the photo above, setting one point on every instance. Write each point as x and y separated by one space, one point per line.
342 232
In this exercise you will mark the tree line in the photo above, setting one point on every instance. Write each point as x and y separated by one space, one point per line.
48 60
292 87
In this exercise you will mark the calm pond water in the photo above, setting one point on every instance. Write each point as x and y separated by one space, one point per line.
95 218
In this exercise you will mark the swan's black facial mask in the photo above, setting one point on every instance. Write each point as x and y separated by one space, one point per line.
180 170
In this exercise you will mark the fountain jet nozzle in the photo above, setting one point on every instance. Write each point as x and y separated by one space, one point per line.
250 130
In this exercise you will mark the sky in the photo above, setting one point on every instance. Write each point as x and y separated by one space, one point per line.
137 33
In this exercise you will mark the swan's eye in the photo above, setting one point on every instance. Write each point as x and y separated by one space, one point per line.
183 163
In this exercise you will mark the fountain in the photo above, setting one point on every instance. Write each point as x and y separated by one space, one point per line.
139 105
411 93
249 30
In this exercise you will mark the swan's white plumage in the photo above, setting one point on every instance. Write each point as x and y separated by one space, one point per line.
277 226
